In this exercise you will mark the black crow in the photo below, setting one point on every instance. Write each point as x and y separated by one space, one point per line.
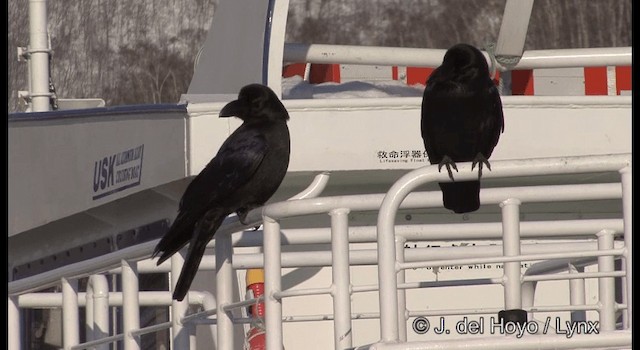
246 172
461 121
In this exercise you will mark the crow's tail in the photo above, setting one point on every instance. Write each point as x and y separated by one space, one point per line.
461 197
204 232
177 237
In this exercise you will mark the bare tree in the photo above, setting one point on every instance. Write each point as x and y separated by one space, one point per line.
91 38
143 51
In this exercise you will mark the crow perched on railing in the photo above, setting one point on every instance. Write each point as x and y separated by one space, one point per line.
461 121
246 172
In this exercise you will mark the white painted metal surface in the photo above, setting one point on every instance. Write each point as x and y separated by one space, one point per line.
605 127
513 29
416 57
38 56
387 257
91 158
281 211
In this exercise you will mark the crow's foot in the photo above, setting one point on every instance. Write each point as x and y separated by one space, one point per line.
449 163
480 159
242 217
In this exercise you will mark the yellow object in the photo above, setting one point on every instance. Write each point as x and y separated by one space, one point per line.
254 276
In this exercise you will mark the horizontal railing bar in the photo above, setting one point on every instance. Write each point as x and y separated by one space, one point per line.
527 194
515 258
146 298
151 329
301 292
105 340
243 303
199 315
573 276
423 57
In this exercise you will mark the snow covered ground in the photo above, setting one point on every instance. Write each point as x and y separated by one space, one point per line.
297 88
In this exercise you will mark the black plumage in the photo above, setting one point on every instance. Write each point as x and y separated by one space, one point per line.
244 174
461 121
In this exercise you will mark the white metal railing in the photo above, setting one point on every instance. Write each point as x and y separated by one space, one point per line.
391 259
390 256
418 57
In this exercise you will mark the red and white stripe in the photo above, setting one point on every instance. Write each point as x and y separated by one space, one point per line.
611 80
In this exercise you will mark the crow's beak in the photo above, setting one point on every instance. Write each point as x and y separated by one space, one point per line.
233 109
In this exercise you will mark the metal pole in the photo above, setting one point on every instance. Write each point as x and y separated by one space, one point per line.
179 335
130 305
14 325
39 56
416 57
624 297
628 232
402 293
576 294
341 288
272 283
88 311
511 247
70 319
606 285
528 297
97 309
513 29
224 290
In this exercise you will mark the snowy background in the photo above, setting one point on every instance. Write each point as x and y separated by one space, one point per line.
134 52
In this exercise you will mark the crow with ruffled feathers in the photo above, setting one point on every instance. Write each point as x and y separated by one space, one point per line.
461 121
244 174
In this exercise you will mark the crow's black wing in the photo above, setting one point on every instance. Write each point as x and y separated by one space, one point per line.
492 124
234 165
428 120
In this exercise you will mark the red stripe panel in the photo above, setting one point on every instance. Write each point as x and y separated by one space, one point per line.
394 72
522 82
595 81
322 73
294 69
623 78
418 75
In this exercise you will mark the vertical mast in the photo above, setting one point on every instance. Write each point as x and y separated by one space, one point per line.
38 57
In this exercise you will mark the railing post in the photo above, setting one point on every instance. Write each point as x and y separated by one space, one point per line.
97 309
606 285
130 305
402 293
70 319
511 247
624 296
388 265
40 54
224 290
627 213
14 325
576 294
341 288
179 335
272 283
